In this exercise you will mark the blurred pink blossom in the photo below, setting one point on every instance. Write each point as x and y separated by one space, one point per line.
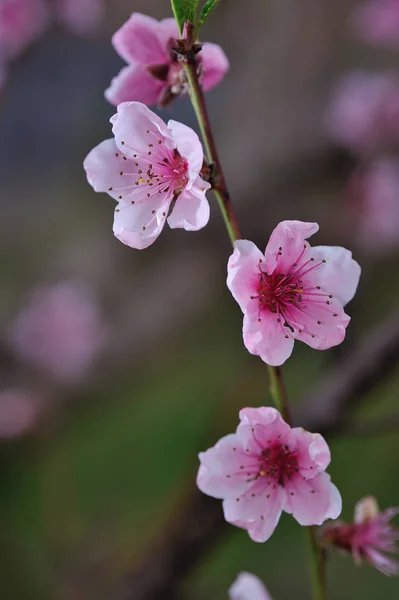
292 291
364 112
80 16
368 537
248 587
18 413
60 330
147 167
373 194
21 23
377 22
154 74
267 467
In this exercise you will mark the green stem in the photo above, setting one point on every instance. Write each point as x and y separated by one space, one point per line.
318 566
277 387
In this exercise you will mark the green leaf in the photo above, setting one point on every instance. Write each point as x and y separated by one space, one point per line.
184 10
207 10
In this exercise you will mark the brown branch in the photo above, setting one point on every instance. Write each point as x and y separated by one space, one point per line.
199 522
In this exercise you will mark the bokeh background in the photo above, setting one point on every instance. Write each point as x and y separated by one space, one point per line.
95 467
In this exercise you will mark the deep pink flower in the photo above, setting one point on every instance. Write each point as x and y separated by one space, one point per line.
292 291
248 587
377 22
267 467
18 413
364 112
21 23
60 330
154 74
151 168
368 537
80 16
373 194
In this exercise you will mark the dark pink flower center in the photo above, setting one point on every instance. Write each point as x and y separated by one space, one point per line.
278 463
276 290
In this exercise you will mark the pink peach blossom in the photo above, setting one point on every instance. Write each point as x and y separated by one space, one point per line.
18 412
377 22
364 112
292 291
151 169
59 331
154 74
248 587
373 202
21 23
368 537
267 467
80 16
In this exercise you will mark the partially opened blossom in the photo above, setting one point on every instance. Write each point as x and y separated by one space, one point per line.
18 412
154 74
153 170
373 203
80 16
377 22
21 23
267 467
364 112
248 587
59 331
369 537
292 291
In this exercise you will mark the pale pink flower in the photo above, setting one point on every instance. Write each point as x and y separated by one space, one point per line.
267 467
248 587
151 169
154 74
373 194
60 330
293 291
18 413
364 112
21 23
377 22
80 16
368 537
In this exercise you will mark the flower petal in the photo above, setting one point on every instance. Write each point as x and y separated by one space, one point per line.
259 426
189 146
287 243
319 325
191 210
243 274
139 225
313 452
248 587
133 83
135 127
214 63
313 501
137 41
268 338
220 474
167 29
256 512
340 275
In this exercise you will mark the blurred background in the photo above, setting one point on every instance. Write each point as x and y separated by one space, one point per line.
119 366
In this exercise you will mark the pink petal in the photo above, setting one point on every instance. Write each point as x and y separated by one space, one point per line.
311 502
220 475
81 16
137 41
314 454
243 274
248 587
167 29
191 211
189 146
316 325
340 275
260 425
257 514
290 236
267 338
133 83
214 63
134 126
139 225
